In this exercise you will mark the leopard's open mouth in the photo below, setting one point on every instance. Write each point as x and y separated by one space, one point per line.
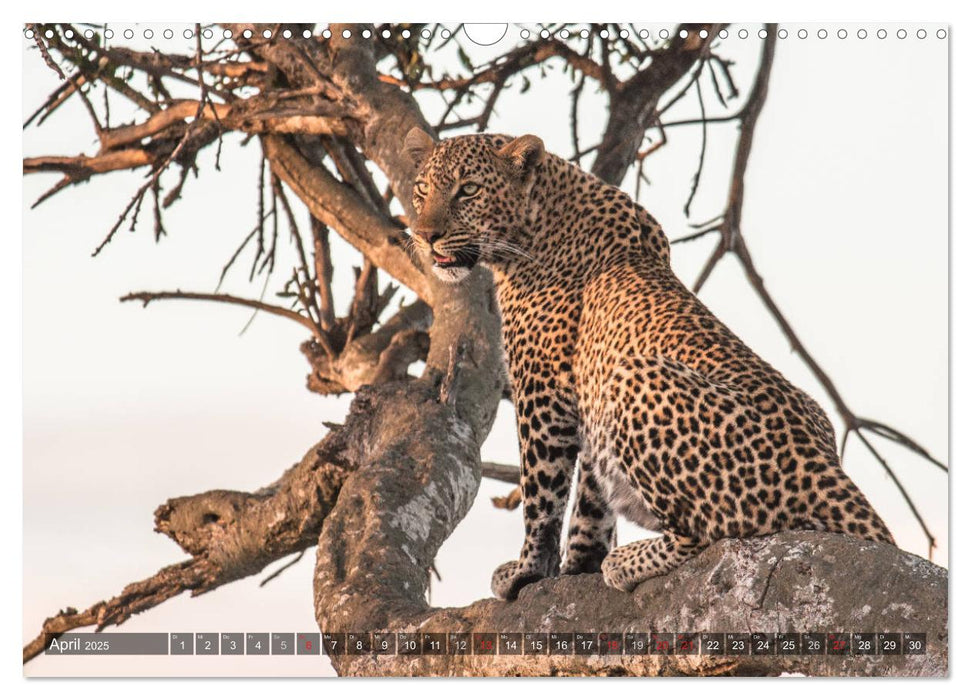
467 256
444 260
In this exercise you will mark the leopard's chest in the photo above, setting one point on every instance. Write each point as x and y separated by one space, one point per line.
539 323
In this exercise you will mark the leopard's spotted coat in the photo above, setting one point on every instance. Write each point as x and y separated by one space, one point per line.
617 367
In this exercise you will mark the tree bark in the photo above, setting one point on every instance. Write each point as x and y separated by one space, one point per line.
788 582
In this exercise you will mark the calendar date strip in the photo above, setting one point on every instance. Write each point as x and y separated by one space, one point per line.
492 643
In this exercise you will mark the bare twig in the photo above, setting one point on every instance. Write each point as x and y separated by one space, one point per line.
147 297
325 273
292 562
696 180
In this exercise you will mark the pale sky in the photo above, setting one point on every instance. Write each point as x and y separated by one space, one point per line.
846 216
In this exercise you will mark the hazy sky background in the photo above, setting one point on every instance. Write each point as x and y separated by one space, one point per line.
124 407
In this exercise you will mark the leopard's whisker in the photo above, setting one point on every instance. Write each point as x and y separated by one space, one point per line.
506 247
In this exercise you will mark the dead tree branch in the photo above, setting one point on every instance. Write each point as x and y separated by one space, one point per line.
634 104
148 297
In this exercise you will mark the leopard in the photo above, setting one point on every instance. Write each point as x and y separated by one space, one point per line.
620 375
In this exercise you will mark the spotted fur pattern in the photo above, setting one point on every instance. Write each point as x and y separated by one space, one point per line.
675 423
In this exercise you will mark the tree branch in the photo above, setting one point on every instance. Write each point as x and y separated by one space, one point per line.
634 104
381 356
147 297
342 209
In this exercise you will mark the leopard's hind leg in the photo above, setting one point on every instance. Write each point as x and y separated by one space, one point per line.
627 566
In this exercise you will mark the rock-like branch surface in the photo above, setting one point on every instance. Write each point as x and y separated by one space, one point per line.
789 582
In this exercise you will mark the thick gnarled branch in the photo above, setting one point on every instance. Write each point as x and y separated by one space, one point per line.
342 209
374 358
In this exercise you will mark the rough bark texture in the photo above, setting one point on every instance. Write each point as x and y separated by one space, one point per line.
789 582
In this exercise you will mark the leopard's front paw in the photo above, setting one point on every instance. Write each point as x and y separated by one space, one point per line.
510 578
617 574
587 561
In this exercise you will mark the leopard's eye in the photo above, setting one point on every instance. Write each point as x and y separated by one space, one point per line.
421 188
469 189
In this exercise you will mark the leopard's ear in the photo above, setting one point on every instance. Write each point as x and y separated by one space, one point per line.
523 154
418 144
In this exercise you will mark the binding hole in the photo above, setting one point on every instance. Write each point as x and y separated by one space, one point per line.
485 34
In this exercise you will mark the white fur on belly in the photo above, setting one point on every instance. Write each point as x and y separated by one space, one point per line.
624 499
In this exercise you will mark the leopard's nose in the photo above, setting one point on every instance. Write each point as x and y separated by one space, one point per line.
429 235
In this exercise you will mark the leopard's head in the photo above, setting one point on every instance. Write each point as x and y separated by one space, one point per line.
471 198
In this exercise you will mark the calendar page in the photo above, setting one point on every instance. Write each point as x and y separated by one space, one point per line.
403 349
